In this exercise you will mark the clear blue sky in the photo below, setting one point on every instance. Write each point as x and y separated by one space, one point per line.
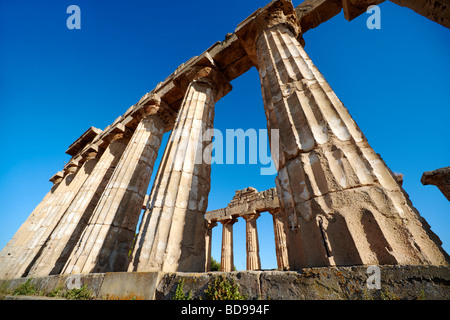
55 83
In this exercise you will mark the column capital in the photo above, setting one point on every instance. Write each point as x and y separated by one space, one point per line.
152 104
116 132
203 69
251 216
71 167
275 212
91 152
275 13
149 104
57 177
230 221
90 135
209 224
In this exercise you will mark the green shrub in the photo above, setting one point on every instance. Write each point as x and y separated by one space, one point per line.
25 289
79 294
55 293
222 289
179 294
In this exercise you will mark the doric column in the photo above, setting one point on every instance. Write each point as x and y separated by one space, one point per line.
172 234
105 242
68 231
279 225
208 240
227 258
347 204
251 235
42 228
11 250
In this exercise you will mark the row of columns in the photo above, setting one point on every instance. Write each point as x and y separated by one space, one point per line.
252 241
87 222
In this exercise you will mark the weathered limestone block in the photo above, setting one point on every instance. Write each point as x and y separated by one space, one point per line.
311 13
329 175
440 178
354 8
172 233
108 237
436 10
68 231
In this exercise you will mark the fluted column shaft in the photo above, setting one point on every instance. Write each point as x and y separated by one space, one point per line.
279 230
43 227
108 237
10 251
339 194
227 256
208 241
172 234
252 242
65 236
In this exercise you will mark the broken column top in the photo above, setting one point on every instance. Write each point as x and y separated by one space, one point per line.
246 201
431 177
440 178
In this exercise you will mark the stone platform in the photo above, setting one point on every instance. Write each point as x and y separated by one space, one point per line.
324 283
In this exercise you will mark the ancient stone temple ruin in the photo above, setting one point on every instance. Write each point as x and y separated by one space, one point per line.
336 203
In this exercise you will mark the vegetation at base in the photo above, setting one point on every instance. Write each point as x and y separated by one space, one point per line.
26 289
79 294
179 294
385 294
29 289
56 293
222 289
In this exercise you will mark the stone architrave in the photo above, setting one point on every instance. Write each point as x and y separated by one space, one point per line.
172 233
345 201
227 256
69 229
108 237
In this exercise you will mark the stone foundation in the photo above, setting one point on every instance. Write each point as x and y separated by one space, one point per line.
326 283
